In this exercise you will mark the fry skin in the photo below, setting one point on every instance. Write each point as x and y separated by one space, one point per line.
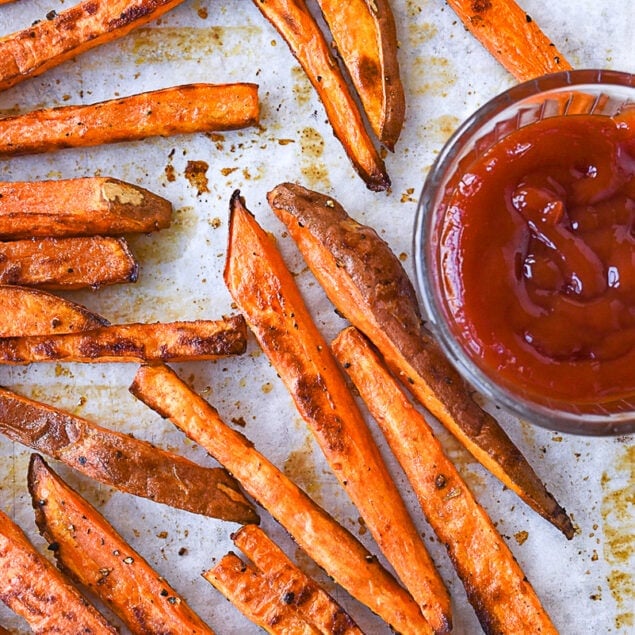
496 586
88 548
34 589
88 206
329 544
367 283
121 461
170 111
161 341
265 292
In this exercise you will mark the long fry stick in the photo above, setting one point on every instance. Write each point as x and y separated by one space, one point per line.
265 292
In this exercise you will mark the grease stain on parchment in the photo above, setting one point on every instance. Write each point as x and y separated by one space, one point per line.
434 75
300 468
313 166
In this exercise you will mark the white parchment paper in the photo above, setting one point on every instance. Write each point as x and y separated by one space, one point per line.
585 583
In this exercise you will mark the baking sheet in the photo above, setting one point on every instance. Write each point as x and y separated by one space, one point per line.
586 583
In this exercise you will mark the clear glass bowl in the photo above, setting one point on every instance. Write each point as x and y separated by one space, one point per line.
573 92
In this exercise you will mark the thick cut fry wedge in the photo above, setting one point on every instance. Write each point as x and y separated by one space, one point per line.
89 549
67 263
291 585
367 284
265 292
366 39
34 589
160 341
330 545
87 206
297 26
512 37
496 586
83 26
121 461
28 311
182 109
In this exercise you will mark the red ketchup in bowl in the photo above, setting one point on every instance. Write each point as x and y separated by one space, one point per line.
537 259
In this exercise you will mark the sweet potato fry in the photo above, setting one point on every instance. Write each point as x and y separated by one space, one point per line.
67 263
34 589
28 311
178 110
87 206
330 545
367 284
87 24
496 586
297 26
160 341
123 462
265 292
89 549
366 39
511 36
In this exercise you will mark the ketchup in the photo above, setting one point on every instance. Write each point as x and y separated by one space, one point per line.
537 259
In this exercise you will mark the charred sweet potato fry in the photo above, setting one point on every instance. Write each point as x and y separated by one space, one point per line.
496 586
265 292
79 28
366 38
123 462
160 341
27 311
89 549
511 36
34 589
330 545
299 29
177 110
367 284
87 206
67 263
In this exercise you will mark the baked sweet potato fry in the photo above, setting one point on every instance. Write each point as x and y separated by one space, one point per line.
89 549
367 284
67 263
86 24
177 110
160 341
121 461
87 206
512 37
33 588
27 311
366 38
330 545
299 29
265 292
496 586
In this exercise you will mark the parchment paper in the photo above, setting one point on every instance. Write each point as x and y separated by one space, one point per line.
586 583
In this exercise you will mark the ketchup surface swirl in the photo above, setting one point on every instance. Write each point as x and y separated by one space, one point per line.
537 254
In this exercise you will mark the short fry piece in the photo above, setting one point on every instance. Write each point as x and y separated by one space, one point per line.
161 341
87 206
512 37
34 589
89 549
265 292
366 39
496 586
297 26
67 263
83 26
178 110
121 461
330 545
367 284
28 311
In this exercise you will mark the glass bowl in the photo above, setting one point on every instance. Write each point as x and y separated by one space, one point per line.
567 94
